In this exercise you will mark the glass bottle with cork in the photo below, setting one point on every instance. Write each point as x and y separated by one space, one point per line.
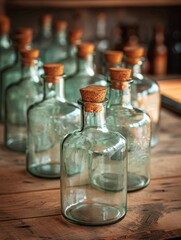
133 124
12 74
85 74
94 166
48 122
19 97
57 49
145 92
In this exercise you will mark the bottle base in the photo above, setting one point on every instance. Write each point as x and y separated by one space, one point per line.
136 182
50 171
16 145
94 214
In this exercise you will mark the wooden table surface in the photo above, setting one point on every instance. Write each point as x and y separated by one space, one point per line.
30 207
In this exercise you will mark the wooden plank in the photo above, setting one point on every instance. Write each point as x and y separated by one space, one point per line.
43 203
161 221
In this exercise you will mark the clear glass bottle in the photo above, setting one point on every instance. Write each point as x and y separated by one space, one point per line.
44 37
85 74
145 91
12 73
57 49
70 63
48 122
94 166
19 97
134 124
7 54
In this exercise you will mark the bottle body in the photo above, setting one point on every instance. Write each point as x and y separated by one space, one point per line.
48 122
93 174
19 97
146 96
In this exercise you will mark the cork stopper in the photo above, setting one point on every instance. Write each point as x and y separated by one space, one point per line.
28 56
119 77
22 40
133 54
75 36
85 49
114 57
92 95
53 72
60 26
46 19
24 30
4 24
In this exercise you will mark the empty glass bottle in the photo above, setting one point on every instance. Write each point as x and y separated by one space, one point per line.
145 91
70 63
57 49
94 166
134 124
48 122
19 96
7 54
12 73
44 36
85 74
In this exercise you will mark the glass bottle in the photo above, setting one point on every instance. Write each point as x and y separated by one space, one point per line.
19 96
7 54
12 73
48 122
44 36
57 49
94 166
145 91
70 63
134 124
85 74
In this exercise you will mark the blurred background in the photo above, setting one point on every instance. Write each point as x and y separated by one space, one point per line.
156 24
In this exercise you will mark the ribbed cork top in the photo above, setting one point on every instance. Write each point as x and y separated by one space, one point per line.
4 24
53 69
60 25
46 19
31 53
24 30
120 74
74 36
114 57
92 95
85 49
22 39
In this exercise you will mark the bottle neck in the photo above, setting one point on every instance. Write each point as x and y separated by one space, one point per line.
54 88
86 65
120 94
60 37
46 31
93 119
30 70
4 41
136 68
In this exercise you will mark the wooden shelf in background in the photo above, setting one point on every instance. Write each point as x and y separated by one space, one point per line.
91 3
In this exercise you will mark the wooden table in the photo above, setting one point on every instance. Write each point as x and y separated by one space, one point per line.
30 207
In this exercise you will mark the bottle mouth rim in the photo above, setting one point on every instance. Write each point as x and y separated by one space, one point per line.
82 102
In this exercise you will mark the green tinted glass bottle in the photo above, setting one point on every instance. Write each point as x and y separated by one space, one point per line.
85 74
133 124
12 74
7 53
44 37
48 122
70 62
57 49
94 166
20 96
145 91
